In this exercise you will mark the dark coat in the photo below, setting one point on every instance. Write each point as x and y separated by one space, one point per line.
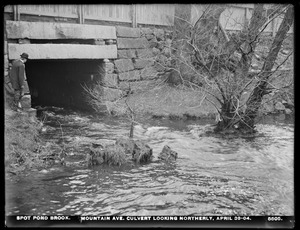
17 74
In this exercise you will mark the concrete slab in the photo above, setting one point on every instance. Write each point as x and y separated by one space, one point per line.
51 30
62 51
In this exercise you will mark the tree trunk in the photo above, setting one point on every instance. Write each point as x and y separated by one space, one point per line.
255 99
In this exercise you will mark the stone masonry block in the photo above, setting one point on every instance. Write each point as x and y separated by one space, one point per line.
149 73
142 63
130 75
109 67
6 63
149 36
146 30
111 94
110 80
138 85
159 34
126 54
128 32
123 65
144 53
132 43
62 51
5 47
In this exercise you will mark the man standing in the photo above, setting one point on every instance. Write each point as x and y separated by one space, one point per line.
17 78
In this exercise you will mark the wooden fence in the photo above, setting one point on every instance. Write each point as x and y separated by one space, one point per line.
233 18
236 16
150 14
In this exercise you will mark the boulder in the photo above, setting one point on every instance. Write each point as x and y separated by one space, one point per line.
167 154
124 151
110 155
138 150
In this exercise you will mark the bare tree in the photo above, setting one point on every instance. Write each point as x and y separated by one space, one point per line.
205 58
222 63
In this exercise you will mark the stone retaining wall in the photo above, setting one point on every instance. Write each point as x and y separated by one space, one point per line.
139 54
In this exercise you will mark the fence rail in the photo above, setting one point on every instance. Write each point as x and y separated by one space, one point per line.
155 14
70 11
233 18
118 13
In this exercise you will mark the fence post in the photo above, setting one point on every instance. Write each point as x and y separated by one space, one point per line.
133 16
80 14
16 13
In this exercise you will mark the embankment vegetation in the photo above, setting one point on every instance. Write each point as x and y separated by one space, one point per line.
23 146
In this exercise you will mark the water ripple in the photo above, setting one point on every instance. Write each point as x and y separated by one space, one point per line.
212 176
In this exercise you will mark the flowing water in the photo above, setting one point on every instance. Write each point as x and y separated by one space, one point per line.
212 176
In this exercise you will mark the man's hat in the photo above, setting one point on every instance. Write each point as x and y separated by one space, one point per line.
24 55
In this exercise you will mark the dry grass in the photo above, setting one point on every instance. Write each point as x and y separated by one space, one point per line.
21 141
166 101
23 147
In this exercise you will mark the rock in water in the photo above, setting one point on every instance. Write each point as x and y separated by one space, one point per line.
127 144
168 154
138 150
142 153
122 152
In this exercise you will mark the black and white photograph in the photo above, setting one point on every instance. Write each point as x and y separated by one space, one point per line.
149 115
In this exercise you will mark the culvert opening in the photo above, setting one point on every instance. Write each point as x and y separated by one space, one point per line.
59 82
